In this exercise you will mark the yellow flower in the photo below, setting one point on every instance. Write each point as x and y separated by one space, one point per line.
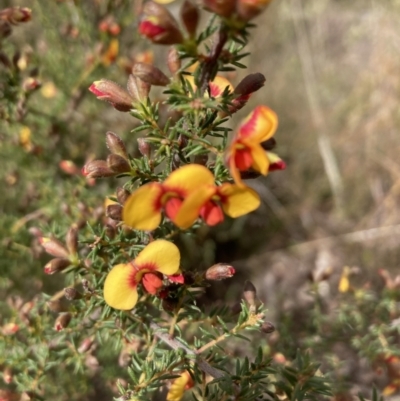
210 202
245 151
179 385
158 258
143 208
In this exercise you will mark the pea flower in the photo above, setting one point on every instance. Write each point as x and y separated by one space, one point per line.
245 150
179 385
143 209
249 84
158 258
210 202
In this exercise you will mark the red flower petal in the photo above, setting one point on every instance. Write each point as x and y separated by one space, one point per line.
172 207
177 278
152 282
211 213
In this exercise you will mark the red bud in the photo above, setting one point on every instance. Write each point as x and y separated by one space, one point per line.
158 25
111 92
17 14
219 271
62 321
56 265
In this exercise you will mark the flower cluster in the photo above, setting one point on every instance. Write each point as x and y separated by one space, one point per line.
186 194
191 187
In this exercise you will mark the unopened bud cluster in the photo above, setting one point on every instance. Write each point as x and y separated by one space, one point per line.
65 254
117 161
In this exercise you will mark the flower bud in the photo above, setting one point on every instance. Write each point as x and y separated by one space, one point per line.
225 8
250 293
173 60
56 265
111 92
219 271
150 74
97 169
122 195
69 167
71 240
62 321
116 145
267 327
144 147
118 164
9 329
16 14
275 162
72 293
30 84
190 17
249 84
138 88
114 211
54 247
248 9
158 25
85 345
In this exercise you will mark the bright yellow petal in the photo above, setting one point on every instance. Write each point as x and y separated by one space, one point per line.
260 124
142 210
218 86
190 79
260 159
238 200
190 209
164 255
179 386
119 289
189 178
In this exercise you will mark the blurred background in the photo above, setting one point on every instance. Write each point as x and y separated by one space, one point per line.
322 250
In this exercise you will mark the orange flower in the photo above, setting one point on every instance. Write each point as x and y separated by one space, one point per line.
179 385
142 210
158 258
210 202
245 150
219 85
